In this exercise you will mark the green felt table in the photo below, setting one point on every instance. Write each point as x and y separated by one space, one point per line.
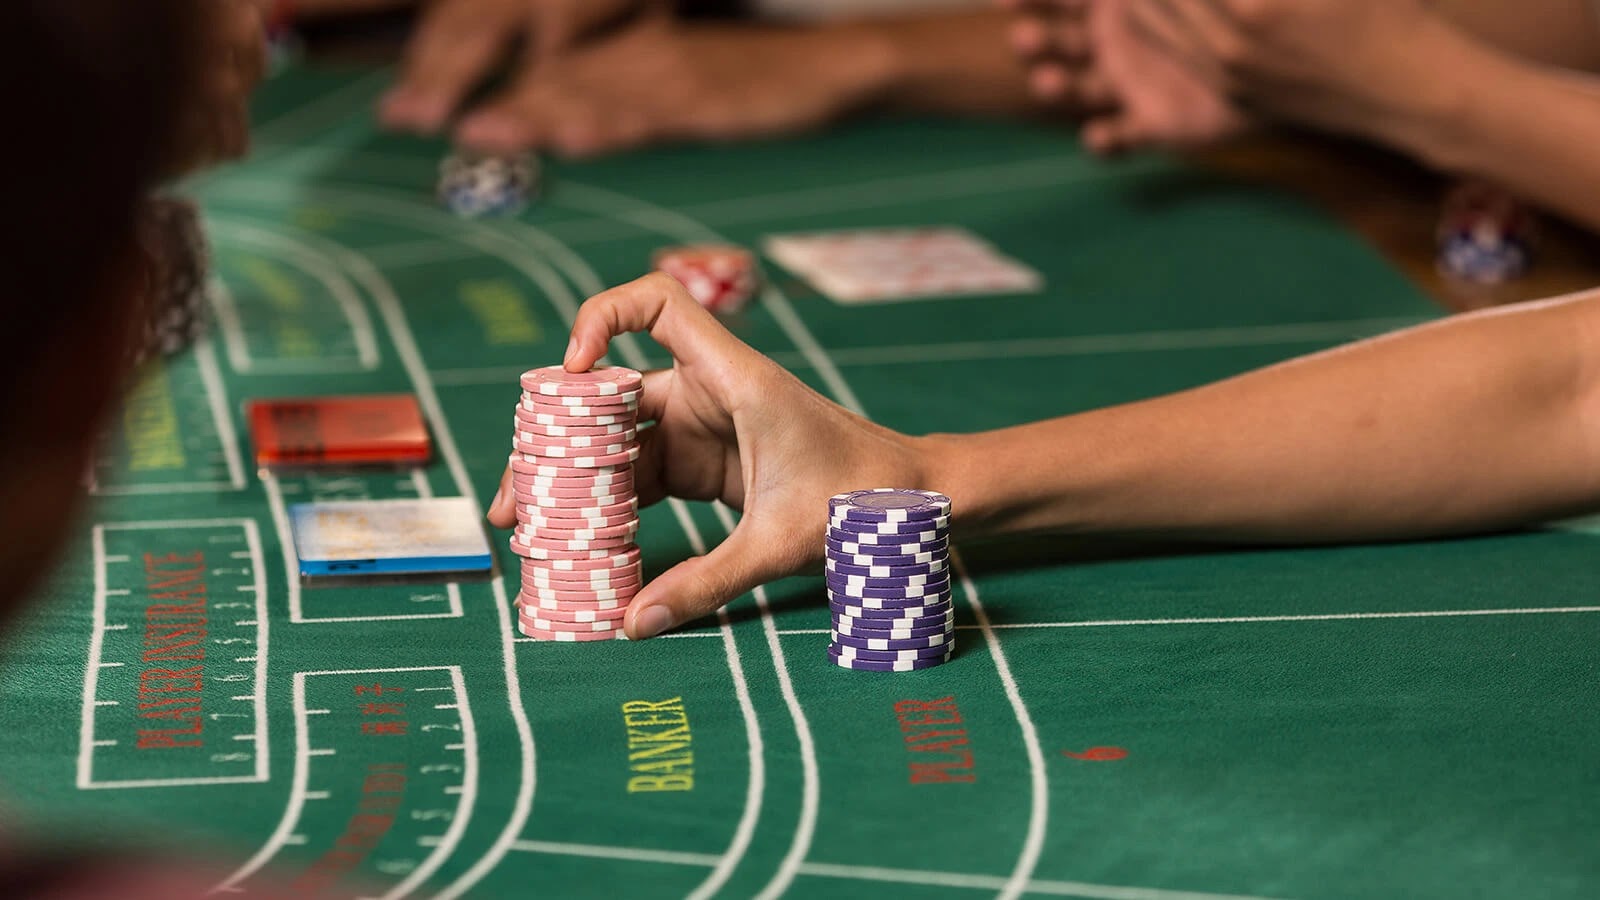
1412 720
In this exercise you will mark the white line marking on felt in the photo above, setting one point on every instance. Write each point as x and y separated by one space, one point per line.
275 490
802 338
872 193
681 227
299 793
1038 782
631 854
298 779
468 792
418 253
800 843
226 309
755 745
995 883
424 489
878 873
206 359
287 130
811 788
280 523
588 281
393 313
1080 345
320 269
515 254
93 660
258 570
175 487
1313 617
419 481
399 326
91 682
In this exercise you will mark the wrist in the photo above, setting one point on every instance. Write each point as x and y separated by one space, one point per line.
1434 119
1021 479
872 63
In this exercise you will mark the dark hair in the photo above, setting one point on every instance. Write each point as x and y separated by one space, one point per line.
94 91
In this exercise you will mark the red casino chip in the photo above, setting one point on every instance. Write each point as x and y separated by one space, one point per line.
376 429
721 278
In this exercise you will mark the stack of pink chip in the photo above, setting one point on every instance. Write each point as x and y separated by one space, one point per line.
577 514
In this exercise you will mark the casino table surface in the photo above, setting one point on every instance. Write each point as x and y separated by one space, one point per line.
1121 721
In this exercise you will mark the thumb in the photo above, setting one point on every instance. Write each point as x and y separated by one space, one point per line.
704 584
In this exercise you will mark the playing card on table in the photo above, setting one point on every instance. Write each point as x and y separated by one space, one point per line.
890 264
355 537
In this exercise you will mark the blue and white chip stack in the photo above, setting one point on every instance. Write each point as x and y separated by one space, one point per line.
888 570
472 186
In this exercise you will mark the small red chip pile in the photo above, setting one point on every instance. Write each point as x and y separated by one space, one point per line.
577 513
722 278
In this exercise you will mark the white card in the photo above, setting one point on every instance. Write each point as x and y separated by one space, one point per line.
894 264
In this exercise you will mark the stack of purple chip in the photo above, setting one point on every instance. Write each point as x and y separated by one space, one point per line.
889 580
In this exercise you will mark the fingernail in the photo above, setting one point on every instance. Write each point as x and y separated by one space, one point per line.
572 347
651 621
495 503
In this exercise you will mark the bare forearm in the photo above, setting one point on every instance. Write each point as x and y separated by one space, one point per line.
1528 127
1477 422
950 62
1556 32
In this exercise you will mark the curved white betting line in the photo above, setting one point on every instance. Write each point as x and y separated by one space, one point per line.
468 799
301 777
313 265
307 256
490 242
665 221
681 228
588 283
389 306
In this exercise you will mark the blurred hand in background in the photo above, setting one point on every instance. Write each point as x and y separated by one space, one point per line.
1086 57
460 44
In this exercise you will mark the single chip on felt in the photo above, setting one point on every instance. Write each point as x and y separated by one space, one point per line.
473 185
372 429
720 277
390 537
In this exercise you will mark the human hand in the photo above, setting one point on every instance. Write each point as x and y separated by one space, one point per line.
659 80
1357 66
459 43
216 125
1130 92
729 425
